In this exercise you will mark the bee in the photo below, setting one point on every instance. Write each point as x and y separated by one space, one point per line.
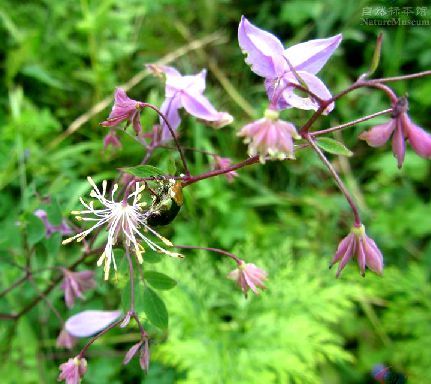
167 202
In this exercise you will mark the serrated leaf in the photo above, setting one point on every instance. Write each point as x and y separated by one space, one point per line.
333 146
143 171
155 308
159 280
35 230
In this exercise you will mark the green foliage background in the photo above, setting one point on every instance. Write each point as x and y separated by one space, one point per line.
59 58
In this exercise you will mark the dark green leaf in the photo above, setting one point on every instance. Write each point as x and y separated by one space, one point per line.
155 309
333 146
159 280
143 171
52 244
35 229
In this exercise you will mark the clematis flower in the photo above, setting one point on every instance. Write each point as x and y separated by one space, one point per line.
144 354
88 323
380 372
270 136
223 163
358 244
186 92
73 370
402 128
124 218
125 109
75 283
63 228
282 68
248 276
65 340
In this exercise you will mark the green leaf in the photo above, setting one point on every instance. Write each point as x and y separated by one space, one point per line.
333 146
155 308
54 213
152 257
143 171
159 280
52 244
35 230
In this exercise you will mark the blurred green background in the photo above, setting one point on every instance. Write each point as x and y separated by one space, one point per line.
61 58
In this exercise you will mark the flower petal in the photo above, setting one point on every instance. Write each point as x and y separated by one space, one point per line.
315 86
379 135
264 51
199 106
170 109
419 139
312 55
90 322
399 144
131 352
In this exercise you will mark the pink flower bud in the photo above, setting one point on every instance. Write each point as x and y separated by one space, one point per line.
75 283
65 340
248 276
358 244
88 323
402 128
144 354
111 139
73 370
223 163
63 228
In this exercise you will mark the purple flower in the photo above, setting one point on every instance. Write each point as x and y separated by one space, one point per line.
88 323
223 163
65 340
111 139
63 228
73 370
125 108
281 67
270 136
187 92
248 276
75 283
144 354
402 128
358 244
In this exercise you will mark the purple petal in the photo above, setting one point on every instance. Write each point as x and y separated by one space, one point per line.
170 109
419 139
361 255
199 106
347 256
379 135
342 248
399 144
314 84
90 322
194 83
374 257
312 55
131 352
264 51
144 358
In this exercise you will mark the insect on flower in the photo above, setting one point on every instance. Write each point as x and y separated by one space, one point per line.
126 218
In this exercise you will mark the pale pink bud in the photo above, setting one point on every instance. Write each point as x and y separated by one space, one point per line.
63 228
73 370
65 340
223 163
75 283
88 323
248 276
358 244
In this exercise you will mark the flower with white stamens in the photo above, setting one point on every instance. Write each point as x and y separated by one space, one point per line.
126 218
